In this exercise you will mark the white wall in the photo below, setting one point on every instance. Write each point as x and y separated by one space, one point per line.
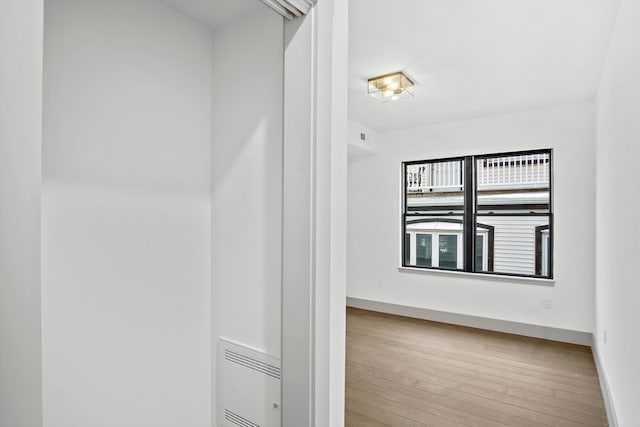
374 219
246 205
126 216
356 147
618 235
20 154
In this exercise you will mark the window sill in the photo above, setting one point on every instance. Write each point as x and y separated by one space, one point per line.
480 276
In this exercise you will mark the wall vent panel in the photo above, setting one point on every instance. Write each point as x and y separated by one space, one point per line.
248 386
290 9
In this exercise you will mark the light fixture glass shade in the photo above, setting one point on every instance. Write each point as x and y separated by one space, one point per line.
390 87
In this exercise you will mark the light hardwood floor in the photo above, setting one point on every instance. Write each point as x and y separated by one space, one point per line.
410 372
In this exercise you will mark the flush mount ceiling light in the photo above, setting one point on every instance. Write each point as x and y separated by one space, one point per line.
390 87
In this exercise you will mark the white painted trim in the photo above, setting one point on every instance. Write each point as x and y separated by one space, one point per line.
604 384
507 326
314 219
483 276
299 260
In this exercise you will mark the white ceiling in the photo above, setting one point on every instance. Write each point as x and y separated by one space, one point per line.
475 58
216 12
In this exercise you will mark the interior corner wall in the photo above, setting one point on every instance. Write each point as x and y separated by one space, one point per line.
374 219
126 216
618 234
20 155
246 205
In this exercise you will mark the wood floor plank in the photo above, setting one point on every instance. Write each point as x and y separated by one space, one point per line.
355 419
415 403
404 372
541 356
395 413
456 361
577 381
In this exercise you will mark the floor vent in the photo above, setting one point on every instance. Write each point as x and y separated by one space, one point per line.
248 386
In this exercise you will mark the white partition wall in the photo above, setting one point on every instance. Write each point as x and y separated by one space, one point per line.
126 216
20 149
618 236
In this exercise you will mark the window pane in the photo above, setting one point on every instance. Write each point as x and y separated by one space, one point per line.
435 187
513 184
425 231
423 250
407 249
448 249
479 252
519 244
542 251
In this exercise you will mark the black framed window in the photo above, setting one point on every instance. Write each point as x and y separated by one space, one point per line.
488 213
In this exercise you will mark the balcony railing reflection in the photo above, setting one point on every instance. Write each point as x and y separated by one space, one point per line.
493 173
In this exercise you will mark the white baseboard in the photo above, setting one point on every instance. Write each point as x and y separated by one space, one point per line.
604 385
536 331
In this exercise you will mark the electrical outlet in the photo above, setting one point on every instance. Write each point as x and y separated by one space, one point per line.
604 336
379 283
546 303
